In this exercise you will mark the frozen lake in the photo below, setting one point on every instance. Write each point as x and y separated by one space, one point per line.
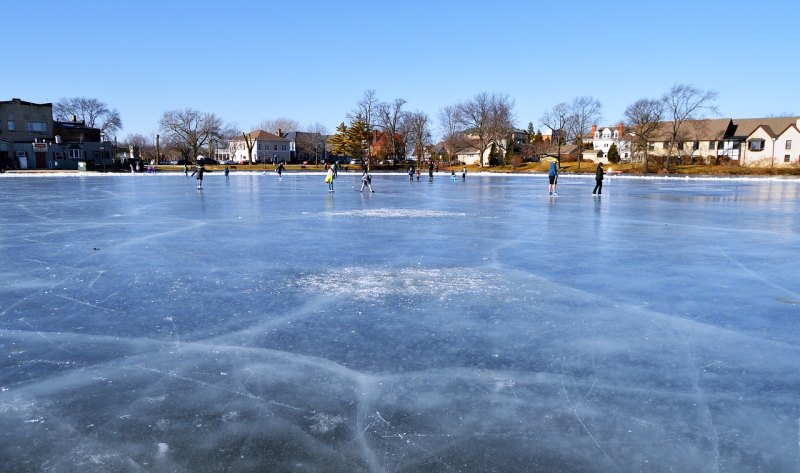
265 325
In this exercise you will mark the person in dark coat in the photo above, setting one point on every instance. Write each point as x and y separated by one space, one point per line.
598 177
199 172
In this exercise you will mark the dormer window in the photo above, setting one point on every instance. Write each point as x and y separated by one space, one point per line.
596 135
616 134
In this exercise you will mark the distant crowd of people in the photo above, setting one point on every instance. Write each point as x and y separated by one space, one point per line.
332 172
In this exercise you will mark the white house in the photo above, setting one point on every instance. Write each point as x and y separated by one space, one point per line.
766 146
602 139
266 148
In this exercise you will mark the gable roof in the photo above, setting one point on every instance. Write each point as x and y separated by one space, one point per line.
261 135
744 127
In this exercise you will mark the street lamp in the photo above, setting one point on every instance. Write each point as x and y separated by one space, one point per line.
772 163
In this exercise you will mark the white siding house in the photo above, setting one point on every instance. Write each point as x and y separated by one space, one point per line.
267 148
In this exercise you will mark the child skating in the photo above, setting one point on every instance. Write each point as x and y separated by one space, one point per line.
366 180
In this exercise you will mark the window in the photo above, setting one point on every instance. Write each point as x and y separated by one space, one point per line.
283 147
788 144
276 147
12 126
651 146
756 145
696 145
712 145
786 158
38 127
75 154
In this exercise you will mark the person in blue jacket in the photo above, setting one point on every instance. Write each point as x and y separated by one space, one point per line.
553 178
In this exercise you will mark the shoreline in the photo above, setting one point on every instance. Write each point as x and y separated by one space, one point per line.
271 173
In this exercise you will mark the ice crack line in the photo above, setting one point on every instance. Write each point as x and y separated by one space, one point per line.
585 428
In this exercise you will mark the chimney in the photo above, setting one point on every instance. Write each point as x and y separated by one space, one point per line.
74 118
620 129
594 129
279 133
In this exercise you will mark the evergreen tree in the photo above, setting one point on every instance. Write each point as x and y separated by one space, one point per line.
357 138
339 140
613 154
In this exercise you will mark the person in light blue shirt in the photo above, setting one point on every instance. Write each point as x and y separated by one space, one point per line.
553 177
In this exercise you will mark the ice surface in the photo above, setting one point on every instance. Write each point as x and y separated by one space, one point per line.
268 325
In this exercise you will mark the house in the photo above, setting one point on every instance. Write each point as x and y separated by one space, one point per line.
266 148
31 139
601 140
766 146
568 152
469 156
717 140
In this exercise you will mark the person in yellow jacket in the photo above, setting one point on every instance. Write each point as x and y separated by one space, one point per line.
329 179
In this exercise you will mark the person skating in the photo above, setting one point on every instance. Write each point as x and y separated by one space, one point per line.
199 172
430 171
552 176
366 180
279 169
329 179
227 171
410 173
464 173
598 177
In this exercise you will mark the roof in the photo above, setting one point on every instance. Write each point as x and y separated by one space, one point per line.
261 135
565 150
746 126
23 102
713 129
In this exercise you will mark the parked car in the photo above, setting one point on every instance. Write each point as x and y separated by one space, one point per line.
207 161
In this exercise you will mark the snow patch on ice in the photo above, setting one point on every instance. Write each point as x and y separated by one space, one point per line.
365 283
324 423
395 213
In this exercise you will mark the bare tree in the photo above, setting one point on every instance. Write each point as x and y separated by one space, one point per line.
557 119
276 125
452 137
584 112
92 112
366 109
416 127
683 103
389 117
487 119
643 118
319 132
313 140
249 143
189 130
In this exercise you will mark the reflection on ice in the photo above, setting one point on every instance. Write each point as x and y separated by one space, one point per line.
488 328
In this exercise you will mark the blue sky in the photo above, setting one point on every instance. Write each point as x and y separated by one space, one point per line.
248 61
